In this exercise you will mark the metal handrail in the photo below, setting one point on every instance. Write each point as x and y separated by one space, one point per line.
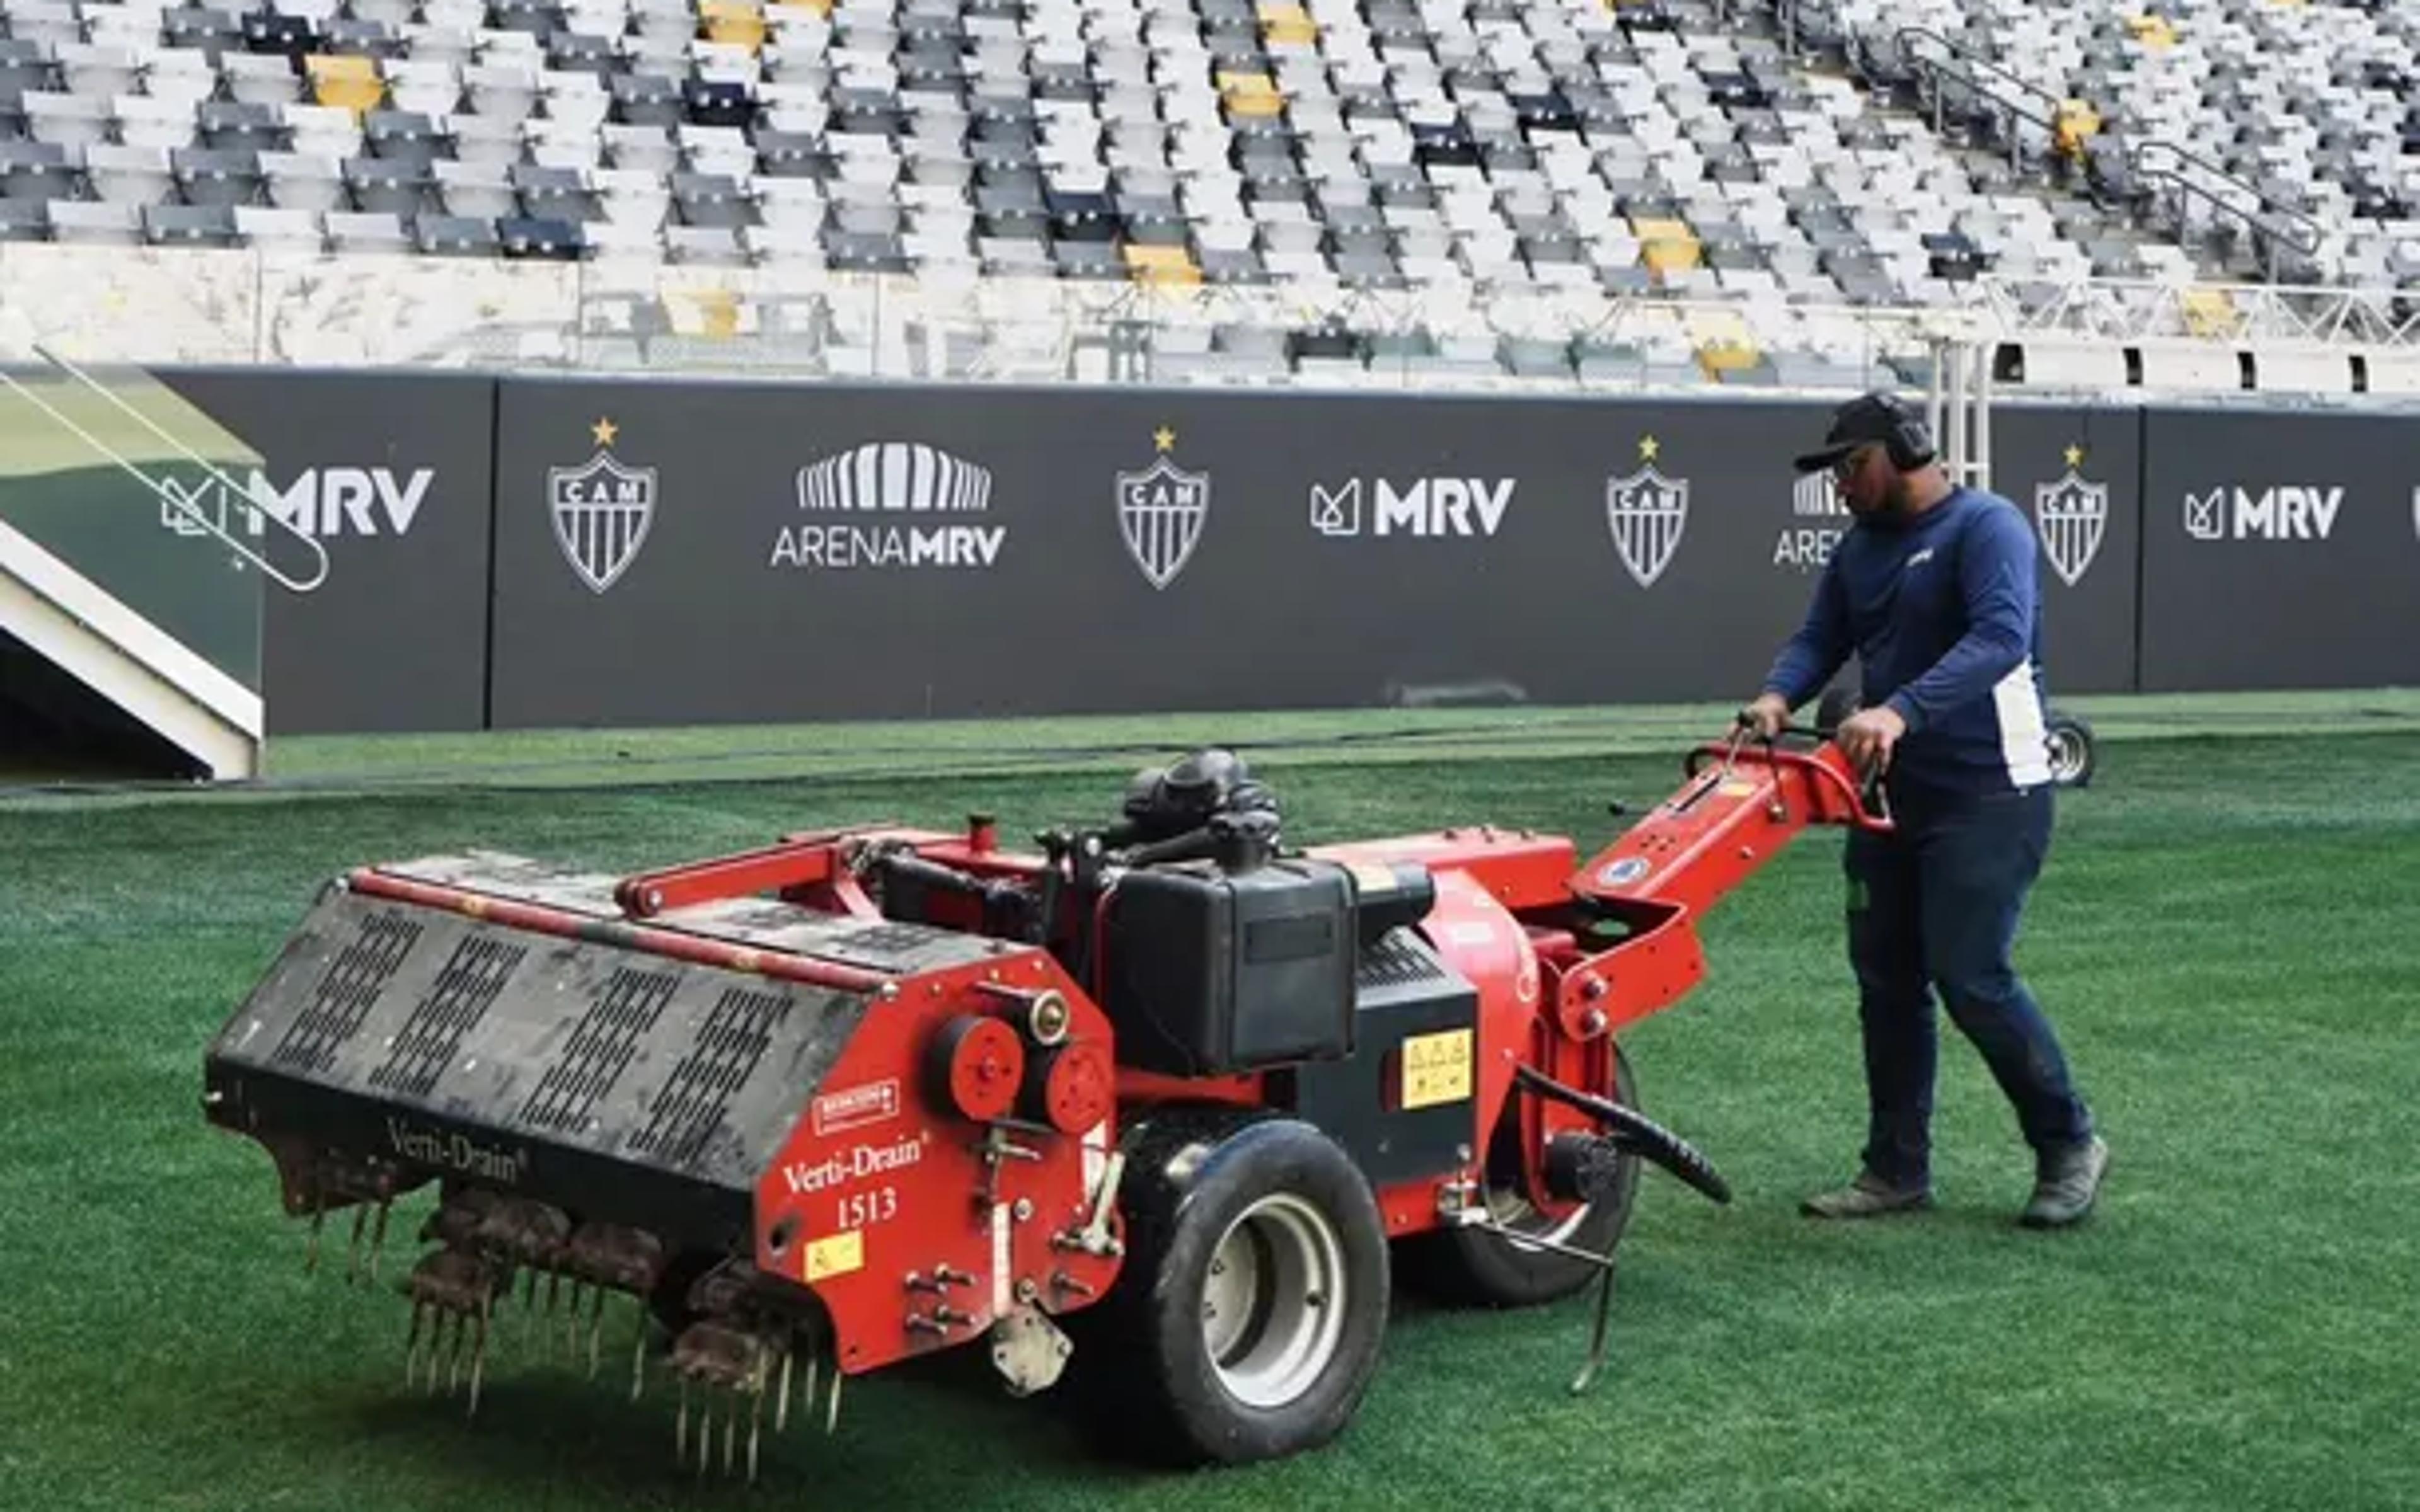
2174 174
2136 152
164 491
1967 76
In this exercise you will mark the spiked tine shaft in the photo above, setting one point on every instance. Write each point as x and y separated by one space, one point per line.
782 1403
755 1425
596 1329
411 1344
832 1416
353 1248
479 1361
638 1357
680 1431
311 1260
378 1240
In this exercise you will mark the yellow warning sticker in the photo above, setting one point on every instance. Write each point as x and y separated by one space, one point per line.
836 1254
1736 788
1437 1068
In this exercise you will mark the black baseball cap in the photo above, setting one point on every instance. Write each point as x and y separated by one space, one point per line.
1866 419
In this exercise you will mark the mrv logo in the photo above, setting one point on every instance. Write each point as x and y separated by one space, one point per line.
456 1153
1427 507
318 501
850 1164
2288 513
891 478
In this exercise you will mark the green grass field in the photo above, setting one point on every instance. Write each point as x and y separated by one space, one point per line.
2223 937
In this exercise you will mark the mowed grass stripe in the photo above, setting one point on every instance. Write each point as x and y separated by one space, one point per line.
2220 937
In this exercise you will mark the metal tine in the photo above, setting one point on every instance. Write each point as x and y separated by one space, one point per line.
680 1429
436 1343
782 1400
378 1240
730 1430
353 1248
412 1344
757 1420
596 1328
479 1359
832 1416
639 1352
318 1216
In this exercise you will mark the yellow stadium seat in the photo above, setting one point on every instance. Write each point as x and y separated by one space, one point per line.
710 313
1723 341
733 22
1253 96
2210 313
1288 26
345 82
1665 246
1161 265
2153 32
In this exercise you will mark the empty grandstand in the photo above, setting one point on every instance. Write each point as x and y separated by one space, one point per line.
1394 190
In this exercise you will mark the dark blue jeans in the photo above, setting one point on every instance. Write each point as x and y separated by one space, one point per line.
1937 905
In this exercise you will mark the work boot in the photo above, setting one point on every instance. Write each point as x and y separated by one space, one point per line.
1868 1197
2067 1185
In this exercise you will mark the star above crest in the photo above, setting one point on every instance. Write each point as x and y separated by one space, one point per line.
1648 447
604 430
2074 455
1164 439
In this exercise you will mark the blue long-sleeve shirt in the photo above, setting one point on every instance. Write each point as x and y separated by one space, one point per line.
1943 615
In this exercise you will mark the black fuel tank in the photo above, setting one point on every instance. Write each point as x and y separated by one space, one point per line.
1208 972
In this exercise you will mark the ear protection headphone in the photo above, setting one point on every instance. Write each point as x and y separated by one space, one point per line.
1910 440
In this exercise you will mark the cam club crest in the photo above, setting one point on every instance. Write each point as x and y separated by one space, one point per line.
2072 516
601 510
1647 513
1162 511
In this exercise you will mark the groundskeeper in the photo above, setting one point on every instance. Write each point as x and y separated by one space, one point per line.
1933 588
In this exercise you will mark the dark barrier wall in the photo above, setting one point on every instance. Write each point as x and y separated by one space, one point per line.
2077 474
743 552
2281 551
389 473
546 552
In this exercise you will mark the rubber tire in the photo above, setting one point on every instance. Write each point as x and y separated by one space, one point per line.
2078 731
1171 1406
1470 1268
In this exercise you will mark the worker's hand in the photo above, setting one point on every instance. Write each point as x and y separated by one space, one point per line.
1867 738
1766 716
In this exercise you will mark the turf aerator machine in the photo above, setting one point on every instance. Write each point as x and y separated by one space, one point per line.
1166 1100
